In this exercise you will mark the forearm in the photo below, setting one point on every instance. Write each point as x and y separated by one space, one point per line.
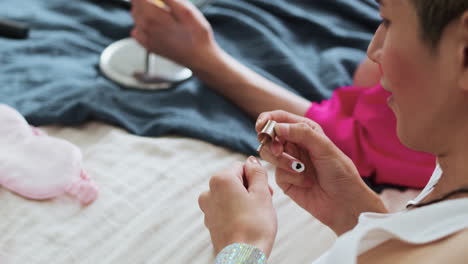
245 88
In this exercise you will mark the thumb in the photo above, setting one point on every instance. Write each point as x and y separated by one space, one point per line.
310 136
256 175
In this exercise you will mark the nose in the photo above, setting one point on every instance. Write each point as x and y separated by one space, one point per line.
374 50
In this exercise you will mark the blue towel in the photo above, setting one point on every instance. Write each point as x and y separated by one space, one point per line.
309 47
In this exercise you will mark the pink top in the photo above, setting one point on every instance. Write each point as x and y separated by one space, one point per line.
361 124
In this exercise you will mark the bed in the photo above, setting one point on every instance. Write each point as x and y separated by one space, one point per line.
147 210
152 153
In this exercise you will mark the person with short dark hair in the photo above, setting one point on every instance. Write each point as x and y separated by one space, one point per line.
421 48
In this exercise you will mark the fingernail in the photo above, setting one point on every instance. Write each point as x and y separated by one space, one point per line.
298 166
275 149
258 122
254 160
282 129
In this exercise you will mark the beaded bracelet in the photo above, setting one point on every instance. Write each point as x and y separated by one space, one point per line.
240 253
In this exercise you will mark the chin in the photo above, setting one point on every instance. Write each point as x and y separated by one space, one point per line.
411 139
407 136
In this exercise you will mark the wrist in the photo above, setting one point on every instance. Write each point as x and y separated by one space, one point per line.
209 59
264 246
367 201
259 238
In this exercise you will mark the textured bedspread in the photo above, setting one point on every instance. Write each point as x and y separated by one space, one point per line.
310 47
147 212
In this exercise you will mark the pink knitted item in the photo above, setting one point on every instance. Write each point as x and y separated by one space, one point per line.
37 166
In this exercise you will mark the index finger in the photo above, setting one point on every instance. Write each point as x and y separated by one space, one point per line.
280 116
228 179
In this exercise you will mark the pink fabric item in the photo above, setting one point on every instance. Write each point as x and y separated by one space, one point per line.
37 166
361 124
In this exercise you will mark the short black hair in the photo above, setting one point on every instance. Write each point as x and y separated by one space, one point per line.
435 15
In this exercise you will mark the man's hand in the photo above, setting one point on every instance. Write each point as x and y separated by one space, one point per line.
238 207
177 31
330 187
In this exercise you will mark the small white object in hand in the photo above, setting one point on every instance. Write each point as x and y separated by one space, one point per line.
298 166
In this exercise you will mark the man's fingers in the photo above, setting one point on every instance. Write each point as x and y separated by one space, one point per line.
228 180
279 116
140 37
284 160
147 14
310 137
257 176
203 200
285 177
276 147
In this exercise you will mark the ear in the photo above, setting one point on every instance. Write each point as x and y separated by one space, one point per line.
463 51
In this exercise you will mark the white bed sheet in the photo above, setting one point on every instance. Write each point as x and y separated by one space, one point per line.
147 211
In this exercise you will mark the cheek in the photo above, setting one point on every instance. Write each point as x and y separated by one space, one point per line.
404 75
399 70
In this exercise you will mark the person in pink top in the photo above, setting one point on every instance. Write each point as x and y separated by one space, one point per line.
356 118
359 122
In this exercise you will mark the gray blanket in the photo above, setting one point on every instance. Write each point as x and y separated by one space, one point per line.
308 46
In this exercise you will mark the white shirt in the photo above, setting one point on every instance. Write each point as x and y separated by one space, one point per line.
417 226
